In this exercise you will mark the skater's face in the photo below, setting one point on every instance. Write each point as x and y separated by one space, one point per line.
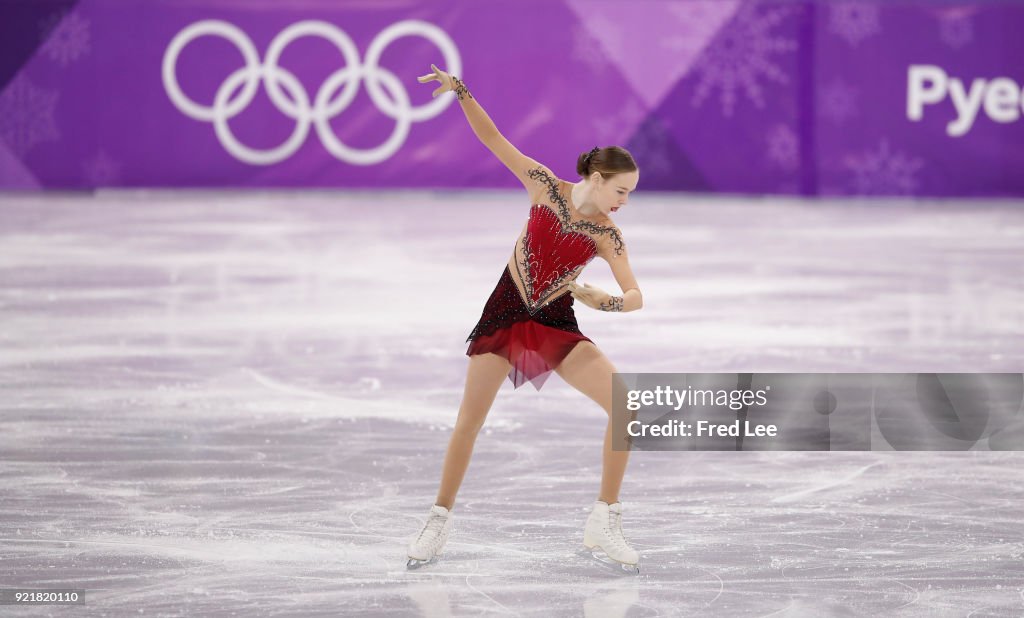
612 194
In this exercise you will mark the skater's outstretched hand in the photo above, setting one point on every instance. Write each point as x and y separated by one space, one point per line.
590 295
447 84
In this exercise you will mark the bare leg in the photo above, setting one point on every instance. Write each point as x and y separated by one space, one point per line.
589 371
483 378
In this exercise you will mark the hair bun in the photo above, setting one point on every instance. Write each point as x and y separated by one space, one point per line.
614 160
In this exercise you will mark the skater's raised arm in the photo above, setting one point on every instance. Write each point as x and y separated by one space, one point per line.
486 131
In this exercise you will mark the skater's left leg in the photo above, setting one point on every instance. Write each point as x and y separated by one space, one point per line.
589 371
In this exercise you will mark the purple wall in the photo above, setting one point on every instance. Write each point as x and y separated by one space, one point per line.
816 98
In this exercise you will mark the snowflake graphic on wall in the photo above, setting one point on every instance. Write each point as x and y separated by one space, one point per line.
101 170
692 21
956 29
837 101
854 21
742 54
585 49
612 127
65 37
884 172
650 146
783 147
608 37
26 115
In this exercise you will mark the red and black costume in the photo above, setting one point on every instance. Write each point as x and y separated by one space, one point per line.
528 318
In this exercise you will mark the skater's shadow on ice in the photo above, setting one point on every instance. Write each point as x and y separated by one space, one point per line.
610 600
431 597
613 603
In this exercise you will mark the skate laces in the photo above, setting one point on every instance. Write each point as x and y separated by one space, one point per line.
615 529
435 523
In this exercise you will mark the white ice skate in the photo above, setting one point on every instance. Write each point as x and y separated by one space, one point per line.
429 544
604 531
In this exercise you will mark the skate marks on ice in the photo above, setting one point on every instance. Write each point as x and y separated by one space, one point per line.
309 519
438 595
216 427
801 494
597 556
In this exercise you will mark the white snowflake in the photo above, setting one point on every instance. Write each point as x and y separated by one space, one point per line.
854 21
650 146
585 49
611 127
101 170
884 172
740 55
837 101
65 37
695 15
784 147
956 29
609 34
26 115
692 22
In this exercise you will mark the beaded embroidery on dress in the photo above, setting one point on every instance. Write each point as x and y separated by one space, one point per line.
554 247
549 256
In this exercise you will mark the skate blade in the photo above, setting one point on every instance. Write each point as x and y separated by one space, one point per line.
597 555
414 563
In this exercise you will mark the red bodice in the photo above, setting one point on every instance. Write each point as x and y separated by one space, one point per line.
550 255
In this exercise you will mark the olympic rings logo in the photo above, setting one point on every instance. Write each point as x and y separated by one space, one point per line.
277 80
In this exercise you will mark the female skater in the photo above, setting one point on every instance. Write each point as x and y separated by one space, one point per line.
528 327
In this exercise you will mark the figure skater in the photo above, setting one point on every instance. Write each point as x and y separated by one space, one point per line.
528 328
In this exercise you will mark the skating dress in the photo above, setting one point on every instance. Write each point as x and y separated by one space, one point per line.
529 318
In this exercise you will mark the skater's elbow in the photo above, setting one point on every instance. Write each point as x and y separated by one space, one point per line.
637 300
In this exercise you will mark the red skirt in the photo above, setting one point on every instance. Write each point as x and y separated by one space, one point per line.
534 344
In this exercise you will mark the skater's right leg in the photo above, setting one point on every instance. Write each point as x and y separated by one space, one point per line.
483 379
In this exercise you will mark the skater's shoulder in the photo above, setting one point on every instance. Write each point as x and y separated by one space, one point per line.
610 241
545 187
542 175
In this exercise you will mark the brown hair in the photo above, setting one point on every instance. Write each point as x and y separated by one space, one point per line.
607 161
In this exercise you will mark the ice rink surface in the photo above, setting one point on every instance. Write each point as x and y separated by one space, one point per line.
225 403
